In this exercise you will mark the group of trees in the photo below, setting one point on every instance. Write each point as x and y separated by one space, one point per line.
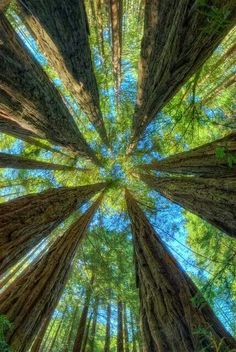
83 157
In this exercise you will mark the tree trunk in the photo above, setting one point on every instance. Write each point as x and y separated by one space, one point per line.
94 326
18 162
120 330
213 199
201 161
30 99
73 322
78 344
126 330
32 297
108 329
171 321
116 13
134 342
60 323
86 335
26 220
63 38
179 36
36 347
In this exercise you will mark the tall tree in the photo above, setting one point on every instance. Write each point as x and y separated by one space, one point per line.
213 199
171 320
126 330
39 287
30 99
120 329
108 328
215 159
19 162
178 38
25 221
63 38
92 335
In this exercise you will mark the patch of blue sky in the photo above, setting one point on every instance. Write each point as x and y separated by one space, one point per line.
15 148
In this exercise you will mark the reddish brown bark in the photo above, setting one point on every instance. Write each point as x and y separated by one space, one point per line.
170 319
28 98
63 38
26 220
213 199
202 161
120 330
178 38
30 299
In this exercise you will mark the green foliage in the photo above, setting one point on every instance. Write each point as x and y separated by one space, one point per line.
5 325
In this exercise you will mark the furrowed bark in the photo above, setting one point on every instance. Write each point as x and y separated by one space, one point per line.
116 13
18 162
108 329
63 38
120 330
78 344
213 199
170 319
179 36
201 161
28 98
25 221
30 299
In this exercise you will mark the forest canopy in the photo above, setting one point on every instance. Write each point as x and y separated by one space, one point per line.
117 175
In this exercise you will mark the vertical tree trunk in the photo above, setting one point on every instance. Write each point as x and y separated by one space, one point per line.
213 199
134 342
178 38
108 329
171 321
72 327
18 162
26 220
78 344
92 335
201 161
63 38
86 335
60 323
36 347
32 297
30 99
126 330
120 330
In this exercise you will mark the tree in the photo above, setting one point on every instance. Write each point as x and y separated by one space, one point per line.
67 50
91 339
172 318
25 221
120 330
178 38
31 100
39 287
108 328
213 199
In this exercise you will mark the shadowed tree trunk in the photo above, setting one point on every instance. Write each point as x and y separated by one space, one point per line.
201 161
171 321
179 35
213 199
18 162
63 38
126 330
72 327
116 13
36 347
32 297
30 99
92 335
81 331
120 330
134 341
86 335
26 220
108 329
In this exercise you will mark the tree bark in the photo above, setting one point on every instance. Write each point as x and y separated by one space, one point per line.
179 36
26 220
213 199
36 347
201 161
60 323
170 319
73 322
108 329
81 331
18 162
86 335
30 99
32 297
126 330
134 342
120 330
92 335
63 38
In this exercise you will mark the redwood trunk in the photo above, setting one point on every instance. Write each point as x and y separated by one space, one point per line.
24 221
126 330
63 38
179 36
120 330
213 199
32 297
201 161
92 335
30 99
72 327
108 329
170 319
